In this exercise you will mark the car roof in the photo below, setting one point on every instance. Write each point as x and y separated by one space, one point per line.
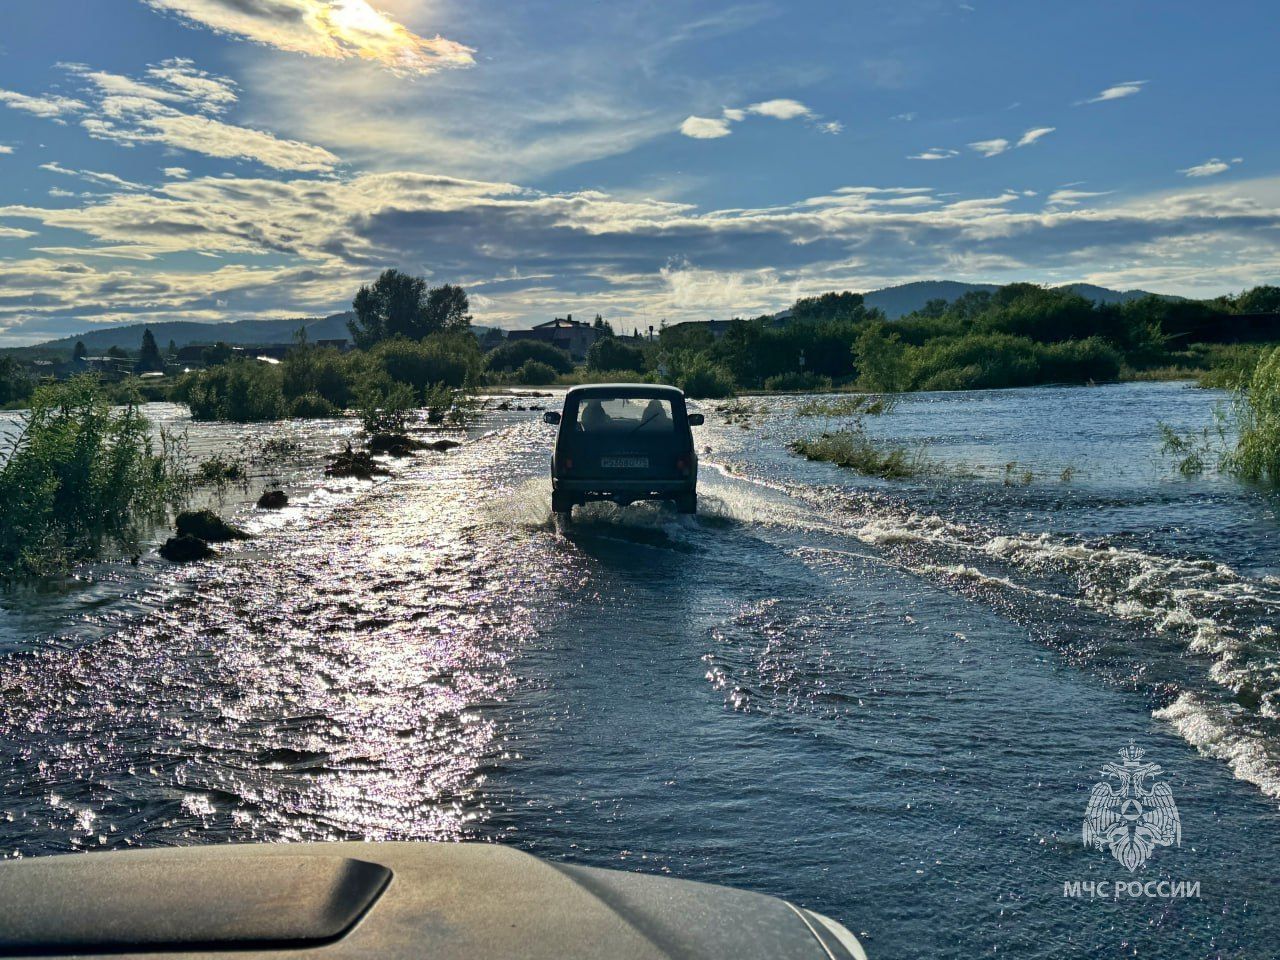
630 390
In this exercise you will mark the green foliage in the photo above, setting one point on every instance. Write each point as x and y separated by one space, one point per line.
15 383
793 382
449 359
310 371
1257 413
398 305
701 379
245 391
535 372
611 353
513 355
384 404
312 406
77 478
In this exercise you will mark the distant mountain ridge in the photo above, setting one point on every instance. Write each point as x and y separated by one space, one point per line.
908 297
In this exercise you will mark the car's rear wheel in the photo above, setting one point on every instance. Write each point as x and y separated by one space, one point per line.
687 503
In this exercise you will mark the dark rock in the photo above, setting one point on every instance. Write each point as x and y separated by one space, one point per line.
351 463
394 444
273 500
186 549
442 444
207 525
504 405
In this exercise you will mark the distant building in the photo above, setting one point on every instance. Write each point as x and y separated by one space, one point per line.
569 334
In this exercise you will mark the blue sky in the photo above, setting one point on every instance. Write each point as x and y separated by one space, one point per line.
224 159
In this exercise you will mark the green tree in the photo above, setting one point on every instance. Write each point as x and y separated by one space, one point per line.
217 354
149 356
117 353
1263 299
79 353
172 352
610 353
400 305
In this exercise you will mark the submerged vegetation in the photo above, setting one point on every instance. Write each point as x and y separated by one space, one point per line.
78 476
847 445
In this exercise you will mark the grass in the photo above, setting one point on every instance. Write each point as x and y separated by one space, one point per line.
853 450
855 405
1257 413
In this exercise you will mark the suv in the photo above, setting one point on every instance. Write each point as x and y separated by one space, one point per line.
624 442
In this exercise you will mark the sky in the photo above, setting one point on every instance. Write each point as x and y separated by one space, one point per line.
647 161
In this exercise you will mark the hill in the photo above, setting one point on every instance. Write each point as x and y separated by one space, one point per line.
905 298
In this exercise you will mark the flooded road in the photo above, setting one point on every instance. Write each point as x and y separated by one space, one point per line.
886 701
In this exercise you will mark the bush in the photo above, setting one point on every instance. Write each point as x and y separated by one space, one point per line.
853 450
706 380
1079 361
535 373
79 476
514 355
311 406
792 382
611 353
449 359
319 372
1257 410
244 391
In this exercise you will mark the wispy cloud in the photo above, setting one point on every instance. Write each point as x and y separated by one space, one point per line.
104 179
1211 167
1034 134
4 149
336 29
154 109
935 153
990 148
1072 198
48 106
705 128
1118 91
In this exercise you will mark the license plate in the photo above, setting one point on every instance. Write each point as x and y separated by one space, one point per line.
625 463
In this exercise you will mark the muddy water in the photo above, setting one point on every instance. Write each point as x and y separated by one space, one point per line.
886 701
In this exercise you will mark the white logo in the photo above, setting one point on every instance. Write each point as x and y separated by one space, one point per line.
1131 819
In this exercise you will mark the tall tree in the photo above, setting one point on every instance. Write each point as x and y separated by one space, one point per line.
173 349
149 355
400 305
79 353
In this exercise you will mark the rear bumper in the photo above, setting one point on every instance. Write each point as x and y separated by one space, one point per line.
609 488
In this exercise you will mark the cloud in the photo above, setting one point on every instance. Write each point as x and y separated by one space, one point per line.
710 128
1119 91
781 109
1211 167
176 106
334 29
1034 134
905 117
286 247
176 173
705 128
5 149
935 153
48 106
990 148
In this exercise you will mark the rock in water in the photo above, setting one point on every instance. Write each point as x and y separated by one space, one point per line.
395 444
442 444
207 525
351 463
186 549
273 500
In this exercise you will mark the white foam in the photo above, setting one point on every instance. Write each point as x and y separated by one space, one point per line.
1209 728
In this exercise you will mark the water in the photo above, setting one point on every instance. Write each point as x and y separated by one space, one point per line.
886 701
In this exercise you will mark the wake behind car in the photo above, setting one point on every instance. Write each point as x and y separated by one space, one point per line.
624 442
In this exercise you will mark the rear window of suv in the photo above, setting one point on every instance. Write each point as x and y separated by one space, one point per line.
625 415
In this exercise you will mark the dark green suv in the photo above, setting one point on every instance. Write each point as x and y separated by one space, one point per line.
624 442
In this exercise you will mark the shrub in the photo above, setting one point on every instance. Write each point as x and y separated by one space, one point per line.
315 371
702 379
77 477
311 406
1257 410
449 359
534 372
791 382
1079 361
513 355
611 353
854 450
244 391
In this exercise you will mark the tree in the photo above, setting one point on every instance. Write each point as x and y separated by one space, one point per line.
1263 299
79 353
217 354
604 327
173 350
116 353
399 305
149 355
